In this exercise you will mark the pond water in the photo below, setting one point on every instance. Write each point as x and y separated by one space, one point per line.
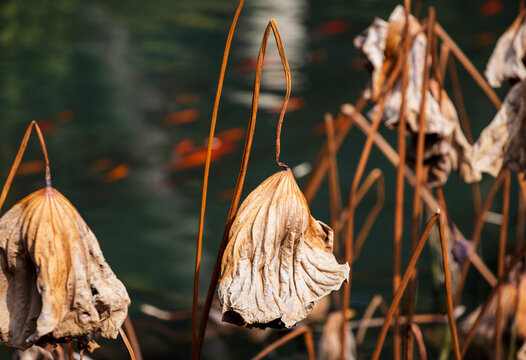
124 90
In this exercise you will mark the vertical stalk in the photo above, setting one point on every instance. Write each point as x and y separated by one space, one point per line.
502 254
335 196
475 238
127 343
205 178
449 296
403 284
419 167
352 194
399 200
243 169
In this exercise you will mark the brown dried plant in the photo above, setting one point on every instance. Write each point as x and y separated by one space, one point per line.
55 285
279 259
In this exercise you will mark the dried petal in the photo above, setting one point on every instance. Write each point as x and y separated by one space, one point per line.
54 281
507 60
503 141
279 259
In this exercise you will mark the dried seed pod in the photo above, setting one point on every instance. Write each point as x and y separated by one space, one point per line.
503 142
278 260
507 60
54 282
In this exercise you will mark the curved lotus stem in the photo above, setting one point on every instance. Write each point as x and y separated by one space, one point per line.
197 346
205 178
18 159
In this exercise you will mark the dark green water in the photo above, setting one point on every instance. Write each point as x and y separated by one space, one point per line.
103 75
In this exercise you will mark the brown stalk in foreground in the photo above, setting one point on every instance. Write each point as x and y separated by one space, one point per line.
426 196
309 344
464 121
399 199
475 238
243 168
501 256
463 59
419 172
352 194
410 269
127 343
321 165
205 180
335 196
129 328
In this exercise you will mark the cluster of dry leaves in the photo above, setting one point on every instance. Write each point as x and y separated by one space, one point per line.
501 144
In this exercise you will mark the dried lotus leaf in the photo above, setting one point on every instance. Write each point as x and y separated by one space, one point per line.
278 260
503 142
54 281
447 149
507 60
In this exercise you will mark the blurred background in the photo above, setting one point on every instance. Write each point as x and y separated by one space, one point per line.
123 91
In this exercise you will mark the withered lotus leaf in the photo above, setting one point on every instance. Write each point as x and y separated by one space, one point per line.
278 260
503 141
446 147
507 60
54 281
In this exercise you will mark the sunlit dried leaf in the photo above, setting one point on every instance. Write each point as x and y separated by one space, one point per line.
503 142
507 60
330 342
279 259
446 147
54 281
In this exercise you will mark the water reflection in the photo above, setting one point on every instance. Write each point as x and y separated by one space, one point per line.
291 20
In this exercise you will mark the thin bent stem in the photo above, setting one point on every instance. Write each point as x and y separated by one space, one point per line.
400 291
399 200
376 302
502 254
419 165
352 194
417 334
463 59
335 196
376 176
241 176
475 239
18 159
206 175
449 296
128 326
502 279
127 343
286 338
321 165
